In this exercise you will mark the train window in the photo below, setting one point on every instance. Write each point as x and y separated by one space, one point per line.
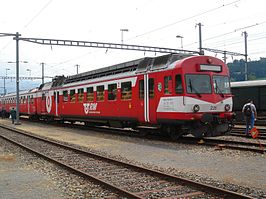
72 95
112 91
90 96
221 84
168 85
151 88
80 95
100 93
31 99
126 90
178 84
56 96
65 96
141 89
198 84
43 96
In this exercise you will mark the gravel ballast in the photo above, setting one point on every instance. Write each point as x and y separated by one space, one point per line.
240 171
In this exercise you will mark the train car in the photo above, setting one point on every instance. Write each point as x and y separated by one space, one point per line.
177 94
27 103
244 90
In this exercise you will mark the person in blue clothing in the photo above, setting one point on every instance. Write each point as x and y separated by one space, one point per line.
250 114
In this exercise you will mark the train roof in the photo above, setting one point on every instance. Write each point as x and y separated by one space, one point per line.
21 92
248 83
139 65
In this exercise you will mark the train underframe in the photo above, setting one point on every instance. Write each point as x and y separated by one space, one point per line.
210 125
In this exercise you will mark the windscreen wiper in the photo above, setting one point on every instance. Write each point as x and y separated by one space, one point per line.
218 90
192 88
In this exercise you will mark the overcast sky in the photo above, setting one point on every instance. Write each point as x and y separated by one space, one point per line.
150 22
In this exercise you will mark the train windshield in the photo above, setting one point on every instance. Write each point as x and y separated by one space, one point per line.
221 84
198 84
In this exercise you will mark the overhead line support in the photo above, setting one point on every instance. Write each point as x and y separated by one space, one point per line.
59 42
23 78
224 52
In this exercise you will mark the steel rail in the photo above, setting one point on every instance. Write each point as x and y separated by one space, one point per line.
184 140
77 171
210 189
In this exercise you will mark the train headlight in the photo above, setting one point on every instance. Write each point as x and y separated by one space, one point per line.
196 108
227 107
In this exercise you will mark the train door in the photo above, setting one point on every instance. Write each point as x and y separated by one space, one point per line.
28 104
150 115
56 100
43 104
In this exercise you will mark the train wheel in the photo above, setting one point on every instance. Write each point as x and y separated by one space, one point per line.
207 130
174 132
143 132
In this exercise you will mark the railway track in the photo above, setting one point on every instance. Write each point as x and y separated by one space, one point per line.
235 145
218 143
240 132
126 180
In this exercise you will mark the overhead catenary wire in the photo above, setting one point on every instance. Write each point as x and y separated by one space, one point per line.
168 25
38 13
85 54
30 21
187 18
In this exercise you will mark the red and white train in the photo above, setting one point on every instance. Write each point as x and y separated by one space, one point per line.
178 94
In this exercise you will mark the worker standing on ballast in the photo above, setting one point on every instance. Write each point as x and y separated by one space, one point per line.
250 114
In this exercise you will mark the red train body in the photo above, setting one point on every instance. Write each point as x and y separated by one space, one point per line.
177 94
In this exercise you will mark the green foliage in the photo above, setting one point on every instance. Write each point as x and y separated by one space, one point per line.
256 70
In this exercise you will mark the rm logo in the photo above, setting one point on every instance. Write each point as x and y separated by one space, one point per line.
49 103
89 107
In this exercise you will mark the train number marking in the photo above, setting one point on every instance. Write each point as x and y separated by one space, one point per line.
213 108
89 107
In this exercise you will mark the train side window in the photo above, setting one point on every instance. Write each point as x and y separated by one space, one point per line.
141 89
151 88
56 96
112 91
80 95
31 99
72 95
126 90
43 96
65 96
100 93
90 96
178 84
168 85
